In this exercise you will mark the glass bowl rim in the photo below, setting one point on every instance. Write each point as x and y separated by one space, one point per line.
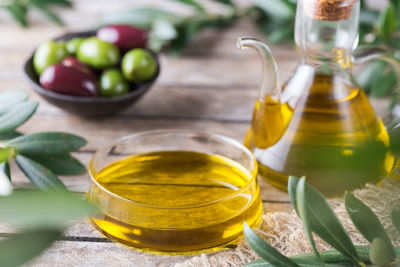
218 137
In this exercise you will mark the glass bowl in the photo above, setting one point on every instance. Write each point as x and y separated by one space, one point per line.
174 191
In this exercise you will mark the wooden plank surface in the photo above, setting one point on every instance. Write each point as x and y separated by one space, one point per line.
212 87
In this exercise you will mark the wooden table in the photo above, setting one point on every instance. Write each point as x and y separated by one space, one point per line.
212 87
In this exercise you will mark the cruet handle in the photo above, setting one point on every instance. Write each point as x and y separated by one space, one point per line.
270 87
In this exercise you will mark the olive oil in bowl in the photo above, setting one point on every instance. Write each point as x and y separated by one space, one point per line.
175 201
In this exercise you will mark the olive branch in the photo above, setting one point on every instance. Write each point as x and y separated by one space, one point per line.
318 218
19 9
40 156
39 217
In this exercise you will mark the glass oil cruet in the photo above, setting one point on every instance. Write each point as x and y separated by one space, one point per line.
320 124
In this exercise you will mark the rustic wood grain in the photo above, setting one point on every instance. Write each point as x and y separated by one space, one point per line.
242 71
212 87
86 247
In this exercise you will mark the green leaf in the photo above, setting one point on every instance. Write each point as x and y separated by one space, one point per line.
48 143
302 208
226 2
40 176
396 219
161 32
384 86
164 30
194 4
368 17
5 153
65 3
396 3
19 12
379 253
49 14
330 257
262 263
52 209
140 17
258 263
23 247
62 164
393 101
265 251
279 35
292 190
323 221
371 74
278 9
367 222
9 135
6 187
10 98
387 23
5 168
394 136
19 114
186 33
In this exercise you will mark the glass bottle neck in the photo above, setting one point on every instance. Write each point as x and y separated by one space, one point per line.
326 39
338 59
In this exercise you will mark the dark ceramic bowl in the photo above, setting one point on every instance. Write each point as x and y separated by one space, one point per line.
87 106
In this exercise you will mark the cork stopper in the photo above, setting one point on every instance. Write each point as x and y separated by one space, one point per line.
331 10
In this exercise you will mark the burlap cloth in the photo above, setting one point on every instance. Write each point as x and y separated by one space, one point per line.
284 230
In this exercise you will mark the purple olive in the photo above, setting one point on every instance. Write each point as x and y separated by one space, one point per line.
126 37
69 81
75 63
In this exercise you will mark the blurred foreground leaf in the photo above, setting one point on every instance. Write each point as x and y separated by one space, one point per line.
24 246
33 209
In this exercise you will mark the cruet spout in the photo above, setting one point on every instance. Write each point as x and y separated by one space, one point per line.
270 87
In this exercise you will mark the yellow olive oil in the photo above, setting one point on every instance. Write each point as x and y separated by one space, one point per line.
324 129
175 201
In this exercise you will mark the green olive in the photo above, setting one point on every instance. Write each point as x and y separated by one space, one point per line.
47 54
113 83
73 44
139 65
98 54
